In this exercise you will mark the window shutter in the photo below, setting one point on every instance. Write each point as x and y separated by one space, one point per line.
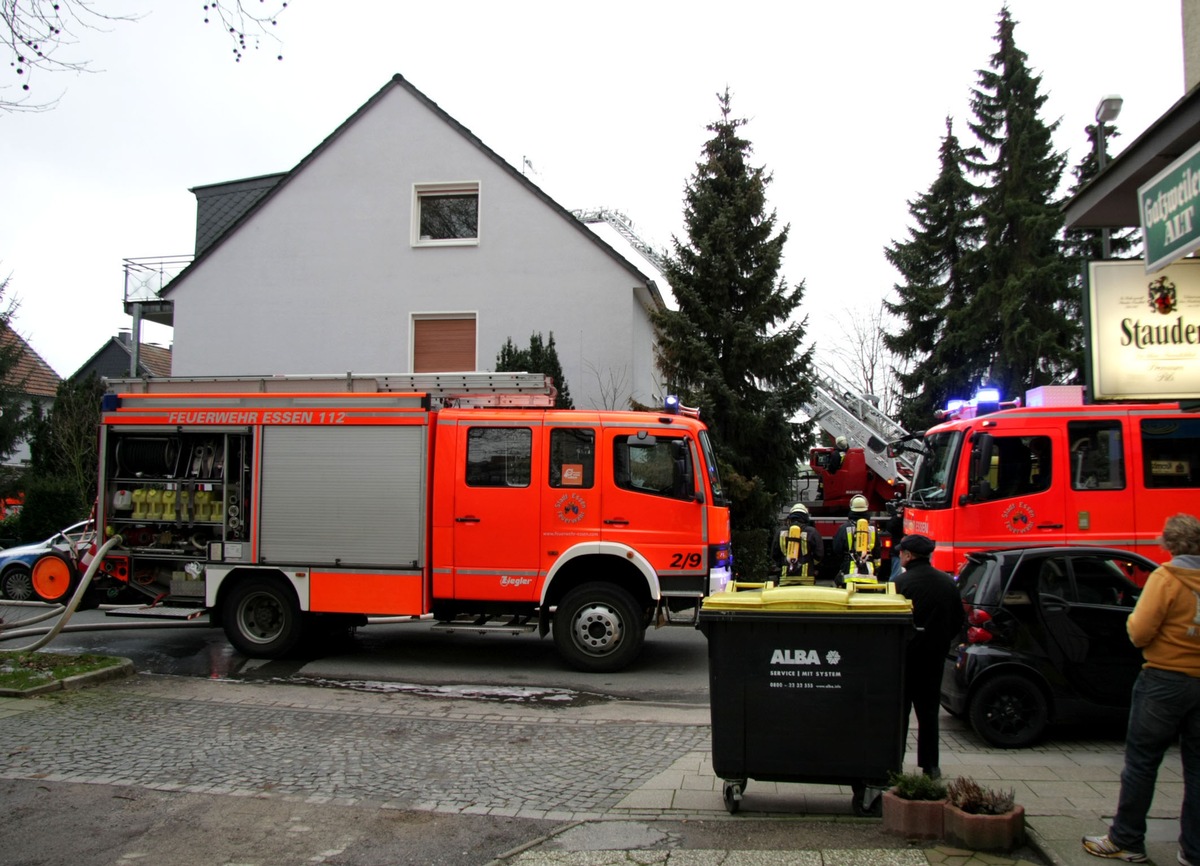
444 346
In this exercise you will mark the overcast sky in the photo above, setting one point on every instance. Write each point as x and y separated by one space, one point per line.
609 102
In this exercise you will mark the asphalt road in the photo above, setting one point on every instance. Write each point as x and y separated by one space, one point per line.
672 667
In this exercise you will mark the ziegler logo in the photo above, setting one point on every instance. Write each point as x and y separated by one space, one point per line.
803 657
505 580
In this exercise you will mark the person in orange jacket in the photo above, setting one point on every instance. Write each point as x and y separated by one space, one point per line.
1165 708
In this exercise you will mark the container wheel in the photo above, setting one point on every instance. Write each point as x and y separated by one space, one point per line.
866 802
262 617
731 793
53 578
17 584
599 628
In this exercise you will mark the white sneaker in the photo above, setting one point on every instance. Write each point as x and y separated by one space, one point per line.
1102 846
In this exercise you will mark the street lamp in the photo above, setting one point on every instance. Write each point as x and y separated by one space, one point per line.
1108 109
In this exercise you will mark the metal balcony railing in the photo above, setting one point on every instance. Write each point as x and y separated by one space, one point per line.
145 278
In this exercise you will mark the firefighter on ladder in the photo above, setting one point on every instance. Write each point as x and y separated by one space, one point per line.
857 543
798 552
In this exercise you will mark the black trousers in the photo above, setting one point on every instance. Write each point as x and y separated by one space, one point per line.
922 686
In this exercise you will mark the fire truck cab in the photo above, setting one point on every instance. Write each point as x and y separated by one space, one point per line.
1054 472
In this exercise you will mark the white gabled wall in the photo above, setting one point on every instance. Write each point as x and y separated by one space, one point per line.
324 279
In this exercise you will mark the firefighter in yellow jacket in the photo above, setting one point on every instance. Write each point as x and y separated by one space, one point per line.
799 550
857 542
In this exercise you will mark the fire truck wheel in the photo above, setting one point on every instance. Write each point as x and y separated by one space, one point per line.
598 628
262 617
17 584
1009 711
53 578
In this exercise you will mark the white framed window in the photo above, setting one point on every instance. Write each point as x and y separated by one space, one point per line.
445 214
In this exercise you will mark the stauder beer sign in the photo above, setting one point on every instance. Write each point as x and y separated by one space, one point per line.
1170 216
1144 334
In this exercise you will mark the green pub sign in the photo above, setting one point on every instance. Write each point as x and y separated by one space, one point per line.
1170 209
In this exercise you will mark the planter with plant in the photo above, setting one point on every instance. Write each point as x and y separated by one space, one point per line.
913 807
982 819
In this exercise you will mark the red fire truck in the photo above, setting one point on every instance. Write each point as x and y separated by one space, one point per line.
1054 471
836 475
284 504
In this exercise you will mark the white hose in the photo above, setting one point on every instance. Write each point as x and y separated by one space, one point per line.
75 599
101 626
46 613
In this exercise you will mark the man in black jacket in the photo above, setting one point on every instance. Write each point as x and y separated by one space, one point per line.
938 617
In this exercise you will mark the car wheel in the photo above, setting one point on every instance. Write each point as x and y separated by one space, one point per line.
1009 711
17 584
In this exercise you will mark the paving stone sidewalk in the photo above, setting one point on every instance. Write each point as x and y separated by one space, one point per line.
601 765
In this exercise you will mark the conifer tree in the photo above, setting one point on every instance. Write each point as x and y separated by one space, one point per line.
936 288
1081 246
1023 321
540 357
733 347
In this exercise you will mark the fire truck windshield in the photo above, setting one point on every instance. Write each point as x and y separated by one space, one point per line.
933 478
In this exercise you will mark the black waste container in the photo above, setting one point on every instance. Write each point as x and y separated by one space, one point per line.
806 684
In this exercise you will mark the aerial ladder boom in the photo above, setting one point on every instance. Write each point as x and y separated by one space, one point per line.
840 411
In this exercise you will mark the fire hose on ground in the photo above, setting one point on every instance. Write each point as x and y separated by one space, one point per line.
50 633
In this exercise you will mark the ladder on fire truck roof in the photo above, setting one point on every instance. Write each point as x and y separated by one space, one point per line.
473 389
840 411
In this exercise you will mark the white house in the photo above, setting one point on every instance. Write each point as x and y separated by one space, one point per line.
402 243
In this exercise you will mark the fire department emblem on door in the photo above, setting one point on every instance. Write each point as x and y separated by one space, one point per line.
570 508
1018 517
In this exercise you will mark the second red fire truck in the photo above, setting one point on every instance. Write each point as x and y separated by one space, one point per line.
1054 472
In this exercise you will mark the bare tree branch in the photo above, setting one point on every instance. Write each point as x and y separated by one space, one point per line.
236 21
613 385
41 37
863 359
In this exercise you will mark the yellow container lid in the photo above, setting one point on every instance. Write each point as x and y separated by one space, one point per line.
825 599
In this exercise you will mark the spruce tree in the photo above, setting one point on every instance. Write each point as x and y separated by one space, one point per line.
1023 322
540 357
936 288
733 348
1081 246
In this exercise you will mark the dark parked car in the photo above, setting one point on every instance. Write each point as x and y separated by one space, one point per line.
1044 641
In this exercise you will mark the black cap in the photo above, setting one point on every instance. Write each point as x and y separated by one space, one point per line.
917 545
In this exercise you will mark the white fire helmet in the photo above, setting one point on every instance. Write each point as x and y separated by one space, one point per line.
858 504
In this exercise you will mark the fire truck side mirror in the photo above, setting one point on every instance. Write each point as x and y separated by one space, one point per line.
979 488
879 446
683 467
